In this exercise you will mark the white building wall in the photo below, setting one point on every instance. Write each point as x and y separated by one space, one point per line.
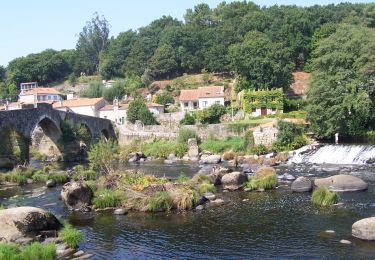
190 105
85 110
26 98
118 116
156 110
207 102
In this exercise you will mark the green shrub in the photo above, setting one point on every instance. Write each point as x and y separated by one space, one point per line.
38 251
185 134
39 176
86 175
107 198
58 177
94 90
259 149
2 206
206 187
19 176
211 115
102 156
249 142
294 104
138 111
46 169
323 197
92 184
182 178
117 90
290 136
9 251
188 119
181 149
71 236
158 148
164 98
161 201
265 182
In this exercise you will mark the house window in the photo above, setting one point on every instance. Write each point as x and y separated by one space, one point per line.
49 97
195 104
253 110
273 99
105 117
186 104
204 103
217 102
273 109
253 100
122 120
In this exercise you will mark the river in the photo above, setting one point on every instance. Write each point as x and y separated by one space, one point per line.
272 224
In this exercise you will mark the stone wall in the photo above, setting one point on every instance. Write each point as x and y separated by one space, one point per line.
265 135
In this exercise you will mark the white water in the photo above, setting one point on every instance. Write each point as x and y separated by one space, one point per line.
336 154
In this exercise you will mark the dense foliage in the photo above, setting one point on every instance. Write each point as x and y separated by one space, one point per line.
262 44
341 98
263 98
290 136
138 110
211 115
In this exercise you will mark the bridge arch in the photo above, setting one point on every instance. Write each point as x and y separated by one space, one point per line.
46 137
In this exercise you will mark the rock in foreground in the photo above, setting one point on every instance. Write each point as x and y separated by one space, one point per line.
234 180
16 223
302 184
364 229
211 159
76 195
342 183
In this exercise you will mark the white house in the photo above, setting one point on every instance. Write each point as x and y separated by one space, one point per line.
83 106
115 112
36 95
202 97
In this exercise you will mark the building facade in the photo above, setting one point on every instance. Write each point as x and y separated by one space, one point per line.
203 97
262 102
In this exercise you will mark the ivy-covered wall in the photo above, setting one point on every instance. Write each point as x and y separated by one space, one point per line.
254 99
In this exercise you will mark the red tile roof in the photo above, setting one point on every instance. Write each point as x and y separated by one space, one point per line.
201 92
34 91
79 102
110 107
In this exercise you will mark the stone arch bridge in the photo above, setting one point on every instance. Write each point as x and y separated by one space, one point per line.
42 128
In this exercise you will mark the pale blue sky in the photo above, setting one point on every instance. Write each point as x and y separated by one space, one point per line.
31 26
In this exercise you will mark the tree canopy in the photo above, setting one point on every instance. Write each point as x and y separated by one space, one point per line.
342 94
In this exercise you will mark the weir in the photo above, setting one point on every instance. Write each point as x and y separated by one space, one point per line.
336 154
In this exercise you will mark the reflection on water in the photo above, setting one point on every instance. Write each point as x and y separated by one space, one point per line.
275 224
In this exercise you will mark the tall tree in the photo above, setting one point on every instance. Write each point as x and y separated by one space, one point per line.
112 59
92 40
342 94
261 62
163 63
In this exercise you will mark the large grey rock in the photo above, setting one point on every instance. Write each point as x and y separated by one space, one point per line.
341 183
76 195
51 183
234 180
211 159
17 223
217 173
302 184
364 229
193 149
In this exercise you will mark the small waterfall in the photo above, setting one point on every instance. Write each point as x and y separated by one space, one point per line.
336 154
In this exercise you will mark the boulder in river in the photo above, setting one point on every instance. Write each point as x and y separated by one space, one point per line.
211 159
364 229
341 183
21 222
50 183
302 184
217 173
234 180
76 195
